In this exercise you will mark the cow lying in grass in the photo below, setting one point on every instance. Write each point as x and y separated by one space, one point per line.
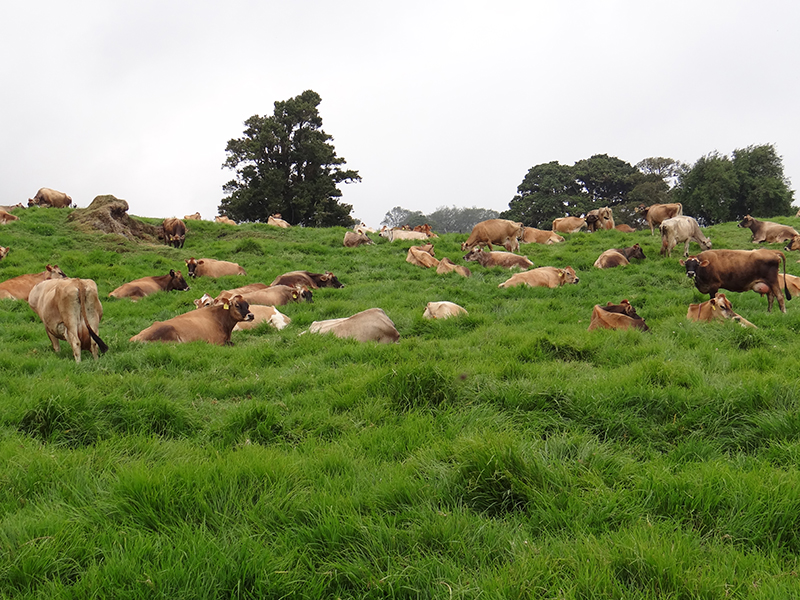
717 309
616 316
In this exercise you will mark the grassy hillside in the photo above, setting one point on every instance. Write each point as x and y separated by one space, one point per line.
507 454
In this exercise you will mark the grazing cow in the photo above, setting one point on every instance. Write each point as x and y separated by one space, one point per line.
6 217
311 280
270 314
212 324
139 288
600 218
507 260
540 236
617 257
443 310
717 309
174 232
274 295
4 251
194 217
371 325
70 311
276 221
624 228
448 266
353 239
500 232
363 228
549 277
209 267
616 316
739 271
681 229
402 234
224 219
422 256
19 288
50 198
656 214
569 224
767 231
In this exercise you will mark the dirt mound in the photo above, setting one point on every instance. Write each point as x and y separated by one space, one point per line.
109 214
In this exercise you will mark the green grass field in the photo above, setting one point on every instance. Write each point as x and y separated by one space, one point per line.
509 453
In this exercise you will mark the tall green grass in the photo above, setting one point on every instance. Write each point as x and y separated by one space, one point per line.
509 453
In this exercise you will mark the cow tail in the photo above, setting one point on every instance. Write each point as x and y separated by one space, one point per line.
786 293
100 343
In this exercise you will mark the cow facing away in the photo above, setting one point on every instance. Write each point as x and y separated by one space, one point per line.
767 231
70 311
371 325
617 257
448 266
7 217
681 229
311 280
195 217
739 271
719 308
210 267
569 224
19 288
422 256
507 260
212 324
500 232
656 214
616 316
47 197
442 310
549 277
224 220
276 221
174 232
144 286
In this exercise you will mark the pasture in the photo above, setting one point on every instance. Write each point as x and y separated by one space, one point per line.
509 453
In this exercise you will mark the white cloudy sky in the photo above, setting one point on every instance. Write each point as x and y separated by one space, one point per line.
434 102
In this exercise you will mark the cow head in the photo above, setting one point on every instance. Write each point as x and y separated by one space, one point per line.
176 281
191 266
4 251
723 305
328 279
239 308
794 243
692 265
302 294
206 300
54 272
473 254
747 221
635 251
567 275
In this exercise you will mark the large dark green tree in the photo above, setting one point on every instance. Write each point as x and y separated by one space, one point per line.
286 163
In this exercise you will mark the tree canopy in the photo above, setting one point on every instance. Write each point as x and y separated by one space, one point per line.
444 219
286 163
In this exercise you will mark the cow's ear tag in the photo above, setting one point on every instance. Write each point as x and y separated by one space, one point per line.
226 306
294 295
561 274
713 307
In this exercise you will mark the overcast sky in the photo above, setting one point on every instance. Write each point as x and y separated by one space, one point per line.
435 103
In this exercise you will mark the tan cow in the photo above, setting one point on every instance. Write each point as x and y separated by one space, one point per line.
47 197
549 277
174 232
225 220
19 288
624 228
371 325
6 217
507 260
540 236
655 214
353 239
210 267
617 257
790 282
500 232
794 243
194 217
422 256
274 295
616 316
310 280
569 224
363 228
600 218
4 251
448 266
402 234
717 309
681 229
426 229
261 314
70 311
442 310
144 286
276 221
212 324
767 231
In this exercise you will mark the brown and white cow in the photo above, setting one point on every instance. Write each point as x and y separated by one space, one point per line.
618 257
506 260
656 214
549 277
681 229
6 217
311 280
19 288
616 316
443 310
212 324
195 217
569 224
353 239
540 236
174 232
422 256
261 314
47 197
210 267
600 218
719 308
371 325
500 232
276 221
70 311
224 219
767 231
448 266
144 286
274 295
4 251
739 271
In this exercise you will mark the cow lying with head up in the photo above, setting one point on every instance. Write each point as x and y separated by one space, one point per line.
616 316
717 309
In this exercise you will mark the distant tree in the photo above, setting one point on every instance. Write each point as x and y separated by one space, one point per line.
286 163
443 220
399 216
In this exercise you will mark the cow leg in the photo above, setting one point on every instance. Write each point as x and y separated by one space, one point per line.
54 341
686 249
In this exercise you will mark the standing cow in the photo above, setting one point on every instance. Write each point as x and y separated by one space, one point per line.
48 197
500 232
656 214
569 224
681 229
174 232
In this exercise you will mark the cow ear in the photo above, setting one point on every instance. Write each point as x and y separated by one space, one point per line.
172 273
324 277
704 263
682 262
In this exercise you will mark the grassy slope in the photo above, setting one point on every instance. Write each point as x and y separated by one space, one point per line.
507 454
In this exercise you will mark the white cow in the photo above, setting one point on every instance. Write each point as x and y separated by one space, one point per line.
681 229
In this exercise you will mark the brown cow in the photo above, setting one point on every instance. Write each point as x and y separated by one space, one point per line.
617 257
276 221
569 224
426 229
70 311
681 229
371 325
739 271
624 228
500 232
549 277
507 260
719 308
212 324
194 217
262 314
540 236
144 286
616 316
655 214
600 218
6 217
210 267
274 295
47 197
767 231
174 232
353 239
448 266
422 256
442 310
4 251
20 287
311 280
225 220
